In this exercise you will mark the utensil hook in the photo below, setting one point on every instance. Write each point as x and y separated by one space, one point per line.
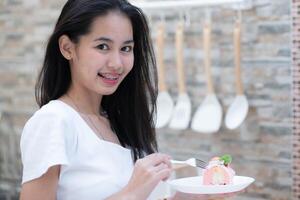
162 18
187 19
239 16
181 17
207 16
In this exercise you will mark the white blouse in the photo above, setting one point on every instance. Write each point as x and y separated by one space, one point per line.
91 168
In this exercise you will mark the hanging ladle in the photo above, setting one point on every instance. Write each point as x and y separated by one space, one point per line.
208 116
238 109
164 101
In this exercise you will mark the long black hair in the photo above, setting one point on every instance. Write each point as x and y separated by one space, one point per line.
131 107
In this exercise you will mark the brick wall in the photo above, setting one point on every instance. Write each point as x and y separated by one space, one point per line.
261 147
296 103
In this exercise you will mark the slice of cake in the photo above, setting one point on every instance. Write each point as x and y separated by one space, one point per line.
218 171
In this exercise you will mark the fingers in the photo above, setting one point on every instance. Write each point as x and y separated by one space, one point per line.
156 165
157 158
164 174
160 167
163 171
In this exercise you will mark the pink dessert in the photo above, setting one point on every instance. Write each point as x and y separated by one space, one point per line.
218 171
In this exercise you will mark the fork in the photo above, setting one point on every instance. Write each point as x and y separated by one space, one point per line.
194 162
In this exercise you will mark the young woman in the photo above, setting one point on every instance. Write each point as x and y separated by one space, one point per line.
93 137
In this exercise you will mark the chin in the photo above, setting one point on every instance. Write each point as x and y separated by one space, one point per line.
107 91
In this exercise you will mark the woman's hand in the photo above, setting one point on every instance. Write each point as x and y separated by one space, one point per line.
147 173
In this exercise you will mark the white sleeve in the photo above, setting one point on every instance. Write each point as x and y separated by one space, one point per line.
44 143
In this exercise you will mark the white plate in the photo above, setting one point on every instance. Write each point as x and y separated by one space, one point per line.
195 185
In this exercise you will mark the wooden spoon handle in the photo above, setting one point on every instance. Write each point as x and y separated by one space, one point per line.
179 58
160 57
207 56
237 57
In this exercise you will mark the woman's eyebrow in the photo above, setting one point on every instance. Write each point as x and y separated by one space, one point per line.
129 42
105 39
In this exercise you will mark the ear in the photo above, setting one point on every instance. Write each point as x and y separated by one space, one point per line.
66 47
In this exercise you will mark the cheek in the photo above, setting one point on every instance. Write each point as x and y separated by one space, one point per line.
91 62
128 63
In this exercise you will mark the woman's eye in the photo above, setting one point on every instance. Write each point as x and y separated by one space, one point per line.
103 47
127 48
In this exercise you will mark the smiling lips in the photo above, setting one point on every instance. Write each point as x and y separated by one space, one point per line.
109 78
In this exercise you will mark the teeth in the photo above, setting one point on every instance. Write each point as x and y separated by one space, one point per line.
109 76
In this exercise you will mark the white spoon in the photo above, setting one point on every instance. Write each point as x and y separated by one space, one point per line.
164 101
182 112
238 110
208 116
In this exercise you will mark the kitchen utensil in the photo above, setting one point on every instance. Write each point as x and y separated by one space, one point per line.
238 109
182 112
164 101
208 116
194 162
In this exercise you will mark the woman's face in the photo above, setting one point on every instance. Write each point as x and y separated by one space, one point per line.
103 57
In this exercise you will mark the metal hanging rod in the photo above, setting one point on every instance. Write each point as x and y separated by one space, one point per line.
179 4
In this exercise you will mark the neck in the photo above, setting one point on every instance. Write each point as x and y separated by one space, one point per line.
87 102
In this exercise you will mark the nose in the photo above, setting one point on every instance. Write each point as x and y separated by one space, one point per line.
115 61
